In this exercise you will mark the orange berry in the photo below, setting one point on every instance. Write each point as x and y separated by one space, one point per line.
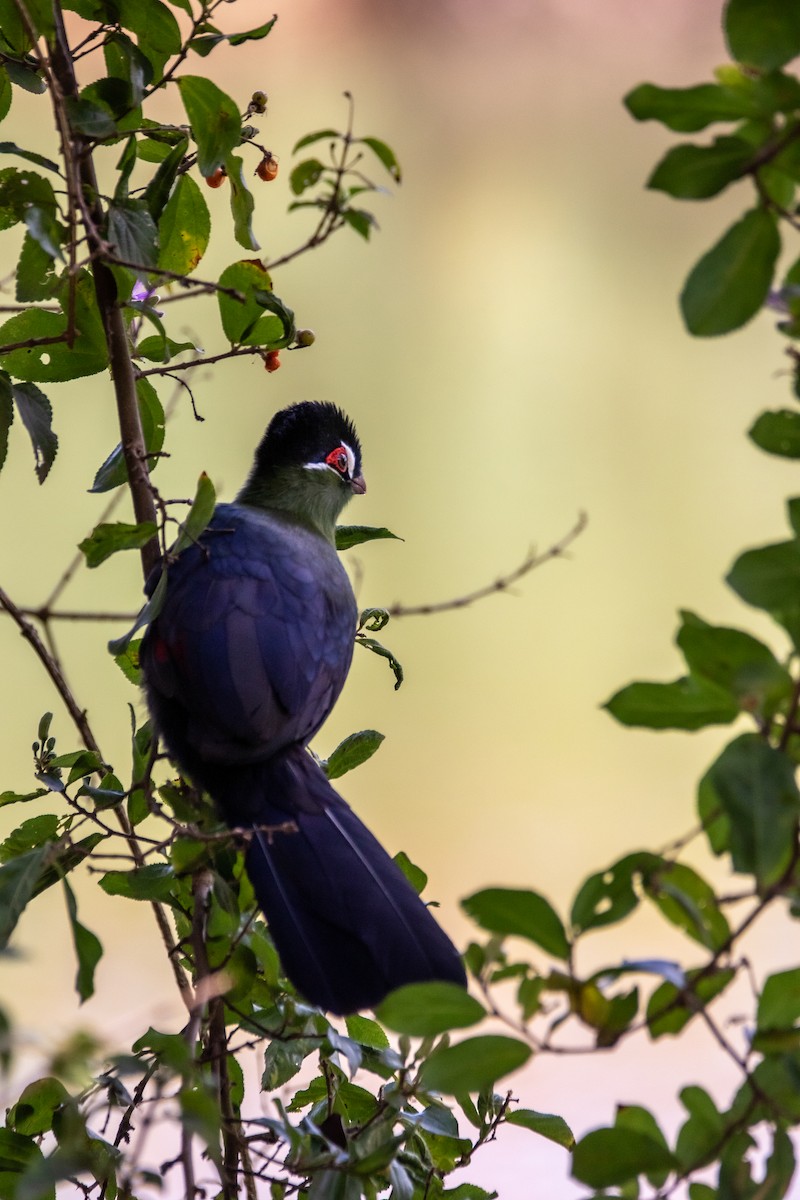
217 178
267 169
272 360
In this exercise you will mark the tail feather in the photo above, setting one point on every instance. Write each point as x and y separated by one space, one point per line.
348 926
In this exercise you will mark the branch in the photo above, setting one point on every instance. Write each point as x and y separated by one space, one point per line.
502 584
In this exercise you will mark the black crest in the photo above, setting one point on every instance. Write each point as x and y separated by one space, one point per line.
305 433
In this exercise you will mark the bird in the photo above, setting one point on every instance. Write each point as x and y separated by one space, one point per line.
241 667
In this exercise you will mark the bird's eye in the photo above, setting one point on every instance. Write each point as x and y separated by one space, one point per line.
338 460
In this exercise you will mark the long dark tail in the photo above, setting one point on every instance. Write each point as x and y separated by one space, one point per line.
347 925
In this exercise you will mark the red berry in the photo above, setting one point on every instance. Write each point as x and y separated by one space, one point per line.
267 169
272 360
217 178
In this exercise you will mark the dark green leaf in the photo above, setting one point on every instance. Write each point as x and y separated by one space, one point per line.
353 535
414 874
6 95
731 281
667 1009
107 539
30 156
778 433
21 797
305 175
214 118
779 1002
352 752
152 882
609 896
473 1065
242 203
363 222
736 662
608 1157
427 1009
249 321
57 361
319 136
132 230
762 33
687 110
33 1113
200 514
18 880
36 414
382 652
158 190
549 1126
703 1133
161 349
696 172
21 189
6 414
36 275
687 703
88 948
183 228
17 1154
757 789
689 902
157 32
118 646
524 913
386 156
252 35
91 119
114 472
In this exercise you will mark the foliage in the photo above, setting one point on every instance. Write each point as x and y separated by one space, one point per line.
395 1103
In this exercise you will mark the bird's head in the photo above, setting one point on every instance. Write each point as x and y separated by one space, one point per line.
308 464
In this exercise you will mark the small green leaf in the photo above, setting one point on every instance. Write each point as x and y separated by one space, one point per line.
362 221
554 1128
114 472
36 414
88 947
319 136
249 321
200 514
353 535
386 156
128 662
735 661
6 414
696 172
428 1009
687 703
132 230
305 175
34 1111
524 913
152 882
779 1002
688 110
366 1032
242 203
778 433
731 281
107 539
18 880
90 119
689 902
609 896
414 874
352 752
611 1157
473 1065
214 118
252 35
184 228
382 652
762 33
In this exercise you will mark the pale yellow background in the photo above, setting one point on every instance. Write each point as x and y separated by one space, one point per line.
511 348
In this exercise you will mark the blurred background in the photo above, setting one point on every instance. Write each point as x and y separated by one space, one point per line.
511 349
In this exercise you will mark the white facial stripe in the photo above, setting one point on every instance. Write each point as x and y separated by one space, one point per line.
323 466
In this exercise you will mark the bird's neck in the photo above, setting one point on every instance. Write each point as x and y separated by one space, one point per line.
298 496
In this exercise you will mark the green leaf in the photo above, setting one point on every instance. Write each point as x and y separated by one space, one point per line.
17 1154
34 1111
214 118
731 281
352 752
319 136
36 275
156 30
554 1128
118 646
668 1011
305 175
183 228
778 433
159 348
88 947
762 33
756 787
609 896
90 119
152 882
107 539
18 880
611 1157
158 190
132 230
689 902
128 662
6 414
386 156
377 648
348 536
524 913
735 661
242 203
687 110
6 95
768 577
251 321
57 361
21 189
366 1032
414 874
114 472
696 172
779 1002
687 703
362 221
473 1065
36 414
252 35
428 1009
702 1134
200 514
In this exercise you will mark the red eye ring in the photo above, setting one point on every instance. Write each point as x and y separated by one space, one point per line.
338 460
